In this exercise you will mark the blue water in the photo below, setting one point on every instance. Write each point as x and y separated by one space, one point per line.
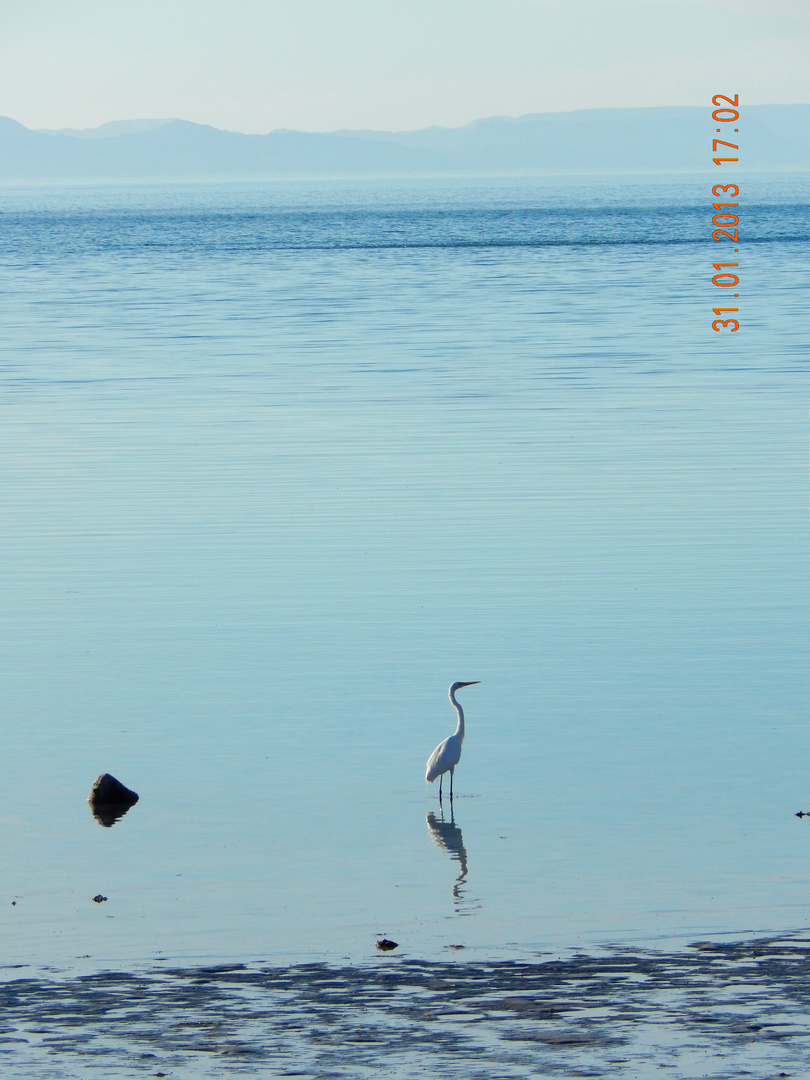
281 462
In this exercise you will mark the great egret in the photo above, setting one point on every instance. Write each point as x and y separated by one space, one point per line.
448 753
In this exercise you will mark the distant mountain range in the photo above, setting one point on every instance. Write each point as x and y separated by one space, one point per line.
771 137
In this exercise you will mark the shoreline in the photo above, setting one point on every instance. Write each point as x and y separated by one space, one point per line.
733 1005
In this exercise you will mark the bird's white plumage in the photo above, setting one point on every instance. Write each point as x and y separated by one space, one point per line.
448 753
446 756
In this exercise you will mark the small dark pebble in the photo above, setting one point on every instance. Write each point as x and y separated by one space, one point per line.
13 903
99 899
386 945
801 813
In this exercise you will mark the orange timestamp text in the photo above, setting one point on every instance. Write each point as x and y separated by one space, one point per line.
726 223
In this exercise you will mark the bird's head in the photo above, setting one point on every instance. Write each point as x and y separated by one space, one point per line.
458 685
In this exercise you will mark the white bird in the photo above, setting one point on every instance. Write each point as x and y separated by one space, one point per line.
448 753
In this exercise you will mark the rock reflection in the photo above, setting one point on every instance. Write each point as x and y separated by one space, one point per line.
447 836
109 800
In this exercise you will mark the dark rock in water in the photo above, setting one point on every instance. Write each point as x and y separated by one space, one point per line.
99 899
384 945
109 800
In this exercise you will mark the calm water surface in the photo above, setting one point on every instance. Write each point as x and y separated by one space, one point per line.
279 463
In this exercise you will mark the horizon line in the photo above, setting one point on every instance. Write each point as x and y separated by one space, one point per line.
162 121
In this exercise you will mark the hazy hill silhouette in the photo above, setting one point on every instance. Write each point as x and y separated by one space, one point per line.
771 137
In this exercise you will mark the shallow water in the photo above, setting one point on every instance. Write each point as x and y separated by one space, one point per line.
713 1010
280 463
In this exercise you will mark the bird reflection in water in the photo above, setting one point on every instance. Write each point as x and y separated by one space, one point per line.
447 836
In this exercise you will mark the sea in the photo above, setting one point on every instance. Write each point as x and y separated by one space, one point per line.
281 461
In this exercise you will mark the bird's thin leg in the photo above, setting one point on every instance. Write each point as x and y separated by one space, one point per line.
451 784
440 791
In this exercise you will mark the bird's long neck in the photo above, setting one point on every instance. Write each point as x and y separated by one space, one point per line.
459 732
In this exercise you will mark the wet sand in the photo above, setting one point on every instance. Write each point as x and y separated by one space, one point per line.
727 1010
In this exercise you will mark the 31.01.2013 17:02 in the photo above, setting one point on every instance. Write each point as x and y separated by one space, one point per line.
726 223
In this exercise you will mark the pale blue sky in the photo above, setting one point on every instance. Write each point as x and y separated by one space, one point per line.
321 65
